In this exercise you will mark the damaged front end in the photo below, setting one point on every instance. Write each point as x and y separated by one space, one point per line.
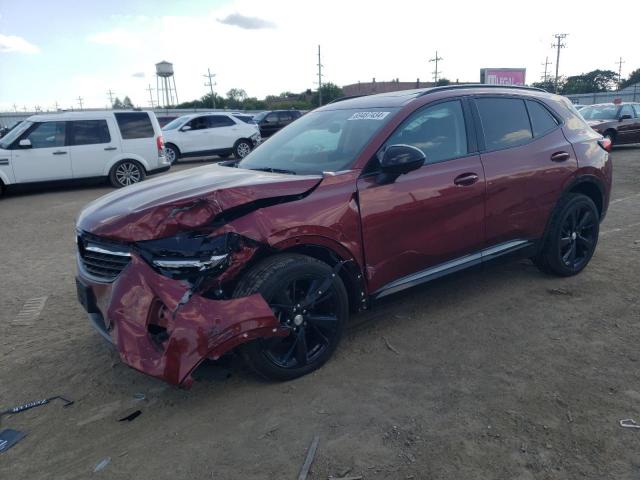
166 311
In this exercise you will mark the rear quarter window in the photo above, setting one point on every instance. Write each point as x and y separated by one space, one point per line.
134 125
504 121
541 119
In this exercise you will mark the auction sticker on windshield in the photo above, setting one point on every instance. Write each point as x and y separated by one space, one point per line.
368 115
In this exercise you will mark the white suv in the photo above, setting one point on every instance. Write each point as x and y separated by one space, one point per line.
203 134
123 146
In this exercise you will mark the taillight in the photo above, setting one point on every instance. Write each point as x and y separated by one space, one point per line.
606 143
160 143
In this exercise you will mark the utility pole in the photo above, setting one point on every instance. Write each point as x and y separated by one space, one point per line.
80 102
150 90
110 94
56 104
319 79
436 71
546 64
15 108
559 37
619 63
210 84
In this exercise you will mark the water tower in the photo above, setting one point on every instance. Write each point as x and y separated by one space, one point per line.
165 93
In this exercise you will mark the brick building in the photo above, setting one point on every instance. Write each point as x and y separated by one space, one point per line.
370 88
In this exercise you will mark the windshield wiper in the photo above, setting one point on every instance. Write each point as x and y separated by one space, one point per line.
274 170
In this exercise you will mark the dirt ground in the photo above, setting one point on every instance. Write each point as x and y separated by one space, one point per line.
497 374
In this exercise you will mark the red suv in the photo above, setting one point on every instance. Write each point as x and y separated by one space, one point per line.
356 200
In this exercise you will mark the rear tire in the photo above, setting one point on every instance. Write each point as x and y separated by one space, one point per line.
172 153
285 281
571 238
126 172
242 148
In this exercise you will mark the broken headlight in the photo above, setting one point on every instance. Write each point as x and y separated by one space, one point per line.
186 256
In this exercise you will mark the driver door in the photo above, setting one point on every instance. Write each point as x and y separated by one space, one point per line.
429 221
196 138
48 157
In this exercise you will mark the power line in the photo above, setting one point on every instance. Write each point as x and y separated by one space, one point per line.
110 94
210 84
319 78
559 37
150 90
619 63
545 76
436 71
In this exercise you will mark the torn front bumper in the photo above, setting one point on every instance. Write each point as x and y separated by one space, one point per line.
161 329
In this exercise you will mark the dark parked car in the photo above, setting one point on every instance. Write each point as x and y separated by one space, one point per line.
618 122
272 121
355 201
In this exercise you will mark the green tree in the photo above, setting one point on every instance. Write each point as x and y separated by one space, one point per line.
236 97
634 77
117 104
330 92
127 103
591 82
443 82
549 85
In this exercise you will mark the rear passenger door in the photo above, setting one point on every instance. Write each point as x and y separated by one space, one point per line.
223 132
92 144
527 162
138 135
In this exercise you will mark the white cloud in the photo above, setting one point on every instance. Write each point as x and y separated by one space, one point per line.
138 75
13 43
248 23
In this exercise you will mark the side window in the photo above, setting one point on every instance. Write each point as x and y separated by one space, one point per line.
439 131
285 117
198 123
271 118
637 107
541 120
216 121
626 110
47 135
89 132
134 125
505 122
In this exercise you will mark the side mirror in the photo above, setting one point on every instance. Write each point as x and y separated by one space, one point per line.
25 143
398 160
186 128
626 116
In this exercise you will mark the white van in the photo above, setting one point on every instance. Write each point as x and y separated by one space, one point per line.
122 146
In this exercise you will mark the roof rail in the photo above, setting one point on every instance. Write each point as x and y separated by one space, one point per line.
348 97
478 85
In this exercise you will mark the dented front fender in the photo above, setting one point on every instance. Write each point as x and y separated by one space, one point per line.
160 327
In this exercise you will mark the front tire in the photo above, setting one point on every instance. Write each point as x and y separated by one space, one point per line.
242 148
126 172
287 282
572 237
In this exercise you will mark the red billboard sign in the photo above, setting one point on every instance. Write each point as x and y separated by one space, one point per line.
503 76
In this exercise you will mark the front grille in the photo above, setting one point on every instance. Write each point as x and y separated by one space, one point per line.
101 258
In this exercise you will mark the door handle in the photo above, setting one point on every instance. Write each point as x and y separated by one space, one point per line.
110 148
560 157
466 179
59 152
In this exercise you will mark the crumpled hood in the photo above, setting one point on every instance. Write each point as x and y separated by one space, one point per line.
185 200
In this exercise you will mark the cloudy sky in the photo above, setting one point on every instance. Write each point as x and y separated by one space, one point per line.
55 51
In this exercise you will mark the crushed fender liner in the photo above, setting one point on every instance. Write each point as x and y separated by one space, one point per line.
164 329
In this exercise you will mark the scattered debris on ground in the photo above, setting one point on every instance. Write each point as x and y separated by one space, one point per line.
9 437
306 466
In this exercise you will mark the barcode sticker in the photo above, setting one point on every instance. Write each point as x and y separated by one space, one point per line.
368 115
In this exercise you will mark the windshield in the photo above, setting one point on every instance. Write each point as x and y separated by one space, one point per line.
10 137
324 141
600 112
175 123
260 116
